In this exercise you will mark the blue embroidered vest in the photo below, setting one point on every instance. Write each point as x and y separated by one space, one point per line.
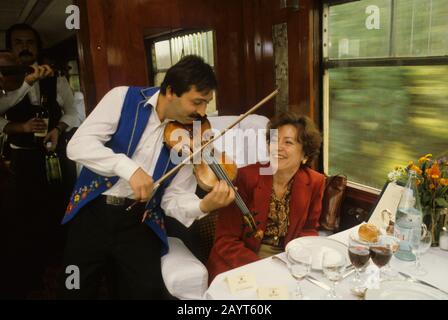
133 121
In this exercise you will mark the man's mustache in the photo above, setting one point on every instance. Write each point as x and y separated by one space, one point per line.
197 116
25 53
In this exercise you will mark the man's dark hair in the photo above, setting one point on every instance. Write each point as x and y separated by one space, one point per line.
21 27
188 72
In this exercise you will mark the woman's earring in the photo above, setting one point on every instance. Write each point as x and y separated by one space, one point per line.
304 161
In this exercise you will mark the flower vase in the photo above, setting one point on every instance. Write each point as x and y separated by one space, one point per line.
435 219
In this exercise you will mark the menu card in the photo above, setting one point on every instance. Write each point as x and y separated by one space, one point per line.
241 281
273 293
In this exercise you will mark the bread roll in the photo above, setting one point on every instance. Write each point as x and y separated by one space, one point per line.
368 233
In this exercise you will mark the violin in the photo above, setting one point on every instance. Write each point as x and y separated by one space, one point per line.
181 138
210 157
21 70
214 165
13 73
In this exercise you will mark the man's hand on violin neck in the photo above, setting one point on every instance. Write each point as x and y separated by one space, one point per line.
40 72
142 185
220 196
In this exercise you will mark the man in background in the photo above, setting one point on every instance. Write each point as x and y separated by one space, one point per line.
34 232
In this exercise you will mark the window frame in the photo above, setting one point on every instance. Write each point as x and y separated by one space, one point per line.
328 64
150 42
175 34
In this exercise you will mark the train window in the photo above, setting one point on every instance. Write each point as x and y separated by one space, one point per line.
168 51
73 75
385 86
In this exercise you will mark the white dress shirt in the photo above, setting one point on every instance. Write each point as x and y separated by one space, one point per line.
87 147
64 98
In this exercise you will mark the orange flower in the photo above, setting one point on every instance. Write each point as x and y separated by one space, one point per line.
434 171
432 186
443 182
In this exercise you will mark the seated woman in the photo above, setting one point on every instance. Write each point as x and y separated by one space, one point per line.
287 203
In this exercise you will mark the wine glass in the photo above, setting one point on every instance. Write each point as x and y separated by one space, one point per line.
419 249
299 264
333 265
387 271
359 255
381 253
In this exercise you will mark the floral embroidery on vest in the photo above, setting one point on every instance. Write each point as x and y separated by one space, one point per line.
82 192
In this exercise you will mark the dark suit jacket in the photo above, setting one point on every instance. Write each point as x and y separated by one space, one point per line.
232 248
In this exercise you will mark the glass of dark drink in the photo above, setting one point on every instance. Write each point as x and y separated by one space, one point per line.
387 272
381 254
359 255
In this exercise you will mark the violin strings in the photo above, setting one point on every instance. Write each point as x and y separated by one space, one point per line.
220 173
217 169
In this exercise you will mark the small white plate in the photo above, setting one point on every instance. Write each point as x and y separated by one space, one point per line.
355 236
404 290
318 246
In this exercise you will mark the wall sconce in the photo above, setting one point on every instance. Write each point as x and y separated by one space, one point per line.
293 4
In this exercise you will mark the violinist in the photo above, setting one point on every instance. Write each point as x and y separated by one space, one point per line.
38 204
25 44
121 147
287 202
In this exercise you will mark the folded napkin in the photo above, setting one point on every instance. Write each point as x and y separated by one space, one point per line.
318 253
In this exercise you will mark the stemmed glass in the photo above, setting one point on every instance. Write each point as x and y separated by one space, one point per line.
359 255
381 253
419 249
299 264
394 244
333 265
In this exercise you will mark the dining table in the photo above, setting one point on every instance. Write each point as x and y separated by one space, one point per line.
273 272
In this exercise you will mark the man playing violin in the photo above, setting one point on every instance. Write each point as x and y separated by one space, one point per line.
34 228
122 150
25 44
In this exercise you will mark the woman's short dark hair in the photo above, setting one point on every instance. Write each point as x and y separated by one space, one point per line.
189 71
307 133
21 27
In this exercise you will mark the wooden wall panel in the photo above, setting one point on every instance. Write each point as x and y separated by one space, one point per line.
229 62
250 51
112 50
259 18
116 38
244 53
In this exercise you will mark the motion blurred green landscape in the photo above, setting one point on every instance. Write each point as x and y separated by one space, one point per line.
382 117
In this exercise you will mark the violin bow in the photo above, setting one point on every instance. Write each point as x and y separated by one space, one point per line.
219 135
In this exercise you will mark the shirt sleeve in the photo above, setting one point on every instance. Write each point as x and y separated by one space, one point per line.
179 200
87 145
13 97
3 123
66 100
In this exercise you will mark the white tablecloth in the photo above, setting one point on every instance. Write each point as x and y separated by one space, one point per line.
272 273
